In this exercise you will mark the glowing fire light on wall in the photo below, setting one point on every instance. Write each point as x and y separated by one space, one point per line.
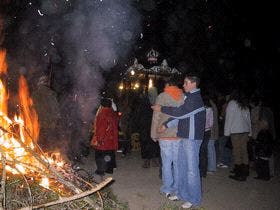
136 85
150 83
121 87
132 72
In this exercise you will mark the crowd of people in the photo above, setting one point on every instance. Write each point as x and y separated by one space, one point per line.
186 133
247 135
198 132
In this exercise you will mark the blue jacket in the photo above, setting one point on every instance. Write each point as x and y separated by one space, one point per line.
190 116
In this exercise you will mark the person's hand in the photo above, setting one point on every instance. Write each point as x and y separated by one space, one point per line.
161 129
156 108
155 139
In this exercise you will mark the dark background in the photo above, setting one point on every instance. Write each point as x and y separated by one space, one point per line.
229 43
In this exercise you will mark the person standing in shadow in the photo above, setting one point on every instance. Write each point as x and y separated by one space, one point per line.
142 117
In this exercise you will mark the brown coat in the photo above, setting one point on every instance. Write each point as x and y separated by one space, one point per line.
172 98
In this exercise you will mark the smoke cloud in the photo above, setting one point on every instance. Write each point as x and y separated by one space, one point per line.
84 33
81 38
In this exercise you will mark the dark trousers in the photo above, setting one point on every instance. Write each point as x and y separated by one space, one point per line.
203 154
149 148
262 169
125 146
105 161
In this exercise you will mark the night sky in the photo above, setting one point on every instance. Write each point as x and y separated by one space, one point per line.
229 43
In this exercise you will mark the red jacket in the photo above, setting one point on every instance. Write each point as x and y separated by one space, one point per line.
105 130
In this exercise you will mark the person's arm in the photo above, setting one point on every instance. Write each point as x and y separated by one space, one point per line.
209 118
155 120
115 122
171 123
190 104
249 123
272 124
228 119
177 111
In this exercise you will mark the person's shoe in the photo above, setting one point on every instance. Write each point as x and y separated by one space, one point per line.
167 195
100 173
97 178
203 175
262 178
221 165
146 164
238 178
155 162
109 171
210 172
173 198
186 205
245 168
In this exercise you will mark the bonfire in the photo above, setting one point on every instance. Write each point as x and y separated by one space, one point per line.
44 179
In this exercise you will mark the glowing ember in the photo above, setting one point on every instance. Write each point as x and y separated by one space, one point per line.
45 182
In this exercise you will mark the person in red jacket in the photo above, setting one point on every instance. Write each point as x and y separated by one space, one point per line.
105 138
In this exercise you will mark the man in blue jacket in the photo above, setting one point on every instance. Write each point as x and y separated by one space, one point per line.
190 118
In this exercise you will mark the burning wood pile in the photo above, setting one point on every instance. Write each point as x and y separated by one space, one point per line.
30 178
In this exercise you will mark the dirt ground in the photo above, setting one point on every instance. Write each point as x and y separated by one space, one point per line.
139 187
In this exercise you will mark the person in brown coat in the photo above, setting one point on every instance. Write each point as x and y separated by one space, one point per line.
47 107
168 140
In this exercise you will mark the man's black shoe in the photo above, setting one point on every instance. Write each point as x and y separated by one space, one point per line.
238 178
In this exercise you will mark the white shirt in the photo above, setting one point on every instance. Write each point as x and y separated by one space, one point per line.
237 120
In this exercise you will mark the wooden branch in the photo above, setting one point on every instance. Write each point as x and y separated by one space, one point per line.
30 167
101 199
28 187
3 182
46 164
56 173
74 197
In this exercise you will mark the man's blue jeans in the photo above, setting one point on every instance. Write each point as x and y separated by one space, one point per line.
188 167
225 153
211 155
169 158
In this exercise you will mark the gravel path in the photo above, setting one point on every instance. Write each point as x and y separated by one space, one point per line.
140 188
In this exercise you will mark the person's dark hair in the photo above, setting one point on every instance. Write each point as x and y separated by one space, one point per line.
193 78
241 98
159 84
106 102
255 100
172 81
206 100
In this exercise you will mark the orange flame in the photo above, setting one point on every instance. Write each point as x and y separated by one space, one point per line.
28 113
3 100
27 129
3 64
3 93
